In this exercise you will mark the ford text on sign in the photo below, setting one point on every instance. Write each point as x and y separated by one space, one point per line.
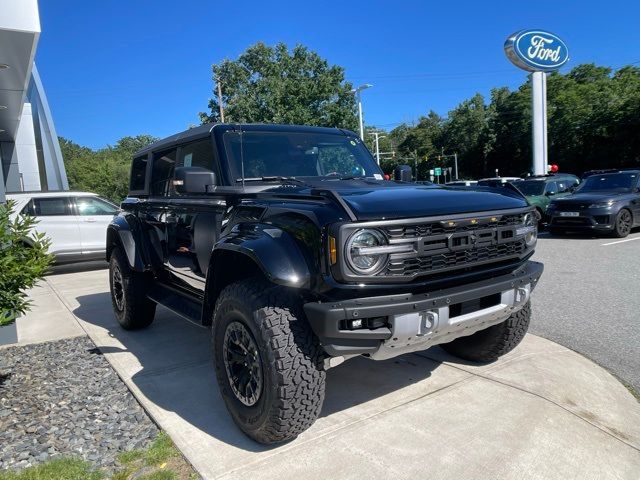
536 50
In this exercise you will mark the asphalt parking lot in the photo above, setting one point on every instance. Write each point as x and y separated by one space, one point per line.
589 299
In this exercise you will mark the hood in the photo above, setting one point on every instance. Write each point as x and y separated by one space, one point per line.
589 197
375 200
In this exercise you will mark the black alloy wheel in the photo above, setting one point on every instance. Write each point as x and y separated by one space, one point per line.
117 287
623 220
242 363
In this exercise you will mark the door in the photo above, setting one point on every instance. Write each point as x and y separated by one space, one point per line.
94 215
56 220
635 203
193 222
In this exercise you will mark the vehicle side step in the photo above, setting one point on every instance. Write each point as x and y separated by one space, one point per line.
178 303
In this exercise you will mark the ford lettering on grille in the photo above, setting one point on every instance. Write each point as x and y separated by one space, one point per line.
460 246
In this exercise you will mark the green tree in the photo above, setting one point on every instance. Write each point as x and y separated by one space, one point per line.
104 171
274 85
23 261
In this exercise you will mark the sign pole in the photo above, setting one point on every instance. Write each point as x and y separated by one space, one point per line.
539 121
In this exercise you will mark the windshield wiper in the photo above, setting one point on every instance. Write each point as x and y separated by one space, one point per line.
275 178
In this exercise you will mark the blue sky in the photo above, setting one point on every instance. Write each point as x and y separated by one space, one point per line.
114 68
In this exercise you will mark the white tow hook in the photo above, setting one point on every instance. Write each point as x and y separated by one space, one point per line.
521 296
428 322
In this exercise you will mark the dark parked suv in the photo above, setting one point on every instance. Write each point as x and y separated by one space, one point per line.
607 203
287 241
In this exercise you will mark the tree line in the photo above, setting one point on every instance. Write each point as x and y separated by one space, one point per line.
593 120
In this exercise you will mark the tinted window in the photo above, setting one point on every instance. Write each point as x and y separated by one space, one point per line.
530 187
162 173
613 182
45 207
196 154
94 206
138 174
297 154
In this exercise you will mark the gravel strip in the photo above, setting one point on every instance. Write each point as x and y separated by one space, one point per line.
63 399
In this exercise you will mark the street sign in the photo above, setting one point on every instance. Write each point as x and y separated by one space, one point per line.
450 170
536 50
437 171
431 172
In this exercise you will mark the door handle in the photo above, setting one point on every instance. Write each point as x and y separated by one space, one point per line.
89 220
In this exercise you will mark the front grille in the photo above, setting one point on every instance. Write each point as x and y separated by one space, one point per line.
576 221
449 260
462 244
438 228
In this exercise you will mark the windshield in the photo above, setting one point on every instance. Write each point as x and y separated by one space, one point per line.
528 187
612 182
298 154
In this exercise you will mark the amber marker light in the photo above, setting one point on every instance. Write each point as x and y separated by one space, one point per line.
333 251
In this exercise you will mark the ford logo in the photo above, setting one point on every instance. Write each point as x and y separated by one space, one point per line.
536 50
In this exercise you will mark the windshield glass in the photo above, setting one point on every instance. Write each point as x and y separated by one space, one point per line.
298 154
528 187
612 182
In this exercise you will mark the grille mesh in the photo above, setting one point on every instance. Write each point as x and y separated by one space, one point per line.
500 246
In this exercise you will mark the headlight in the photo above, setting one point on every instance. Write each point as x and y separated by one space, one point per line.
602 205
362 252
528 228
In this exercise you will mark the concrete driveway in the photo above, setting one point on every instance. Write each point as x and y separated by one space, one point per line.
541 412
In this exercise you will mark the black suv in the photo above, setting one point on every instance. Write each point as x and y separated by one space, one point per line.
287 241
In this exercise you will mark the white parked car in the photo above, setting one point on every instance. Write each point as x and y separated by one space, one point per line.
75 222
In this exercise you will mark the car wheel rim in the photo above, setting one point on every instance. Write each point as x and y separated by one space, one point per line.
242 363
117 287
624 222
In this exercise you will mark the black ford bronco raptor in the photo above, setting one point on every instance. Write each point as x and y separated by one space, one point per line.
290 245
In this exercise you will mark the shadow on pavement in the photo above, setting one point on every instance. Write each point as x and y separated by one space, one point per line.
171 364
78 267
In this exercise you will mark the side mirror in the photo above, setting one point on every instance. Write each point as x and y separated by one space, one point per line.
402 173
193 180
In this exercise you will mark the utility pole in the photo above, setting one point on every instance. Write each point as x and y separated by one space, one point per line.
220 100
359 100
455 159
377 139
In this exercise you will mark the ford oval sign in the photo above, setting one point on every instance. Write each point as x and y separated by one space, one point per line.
536 50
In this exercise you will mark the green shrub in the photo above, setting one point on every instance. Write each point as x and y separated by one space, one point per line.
23 261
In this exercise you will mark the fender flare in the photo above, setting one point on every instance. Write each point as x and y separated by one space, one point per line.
273 251
124 231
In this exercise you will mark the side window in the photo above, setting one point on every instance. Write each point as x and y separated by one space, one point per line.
551 187
563 186
49 207
94 206
196 154
138 174
162 172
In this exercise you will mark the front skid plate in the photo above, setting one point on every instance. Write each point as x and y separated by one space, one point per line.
411 332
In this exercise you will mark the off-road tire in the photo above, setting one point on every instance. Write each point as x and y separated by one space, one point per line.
133 309
491 343
620 231
291 358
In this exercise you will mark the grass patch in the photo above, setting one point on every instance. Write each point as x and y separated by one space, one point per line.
160 461
59 469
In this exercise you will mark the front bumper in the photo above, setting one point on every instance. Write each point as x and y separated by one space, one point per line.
588 219
410 322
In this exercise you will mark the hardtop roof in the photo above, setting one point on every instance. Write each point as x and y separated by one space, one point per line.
206 129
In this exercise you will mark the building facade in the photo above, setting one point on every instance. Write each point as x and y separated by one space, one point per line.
30 157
